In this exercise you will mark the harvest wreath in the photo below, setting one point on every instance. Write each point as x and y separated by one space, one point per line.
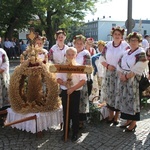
32 87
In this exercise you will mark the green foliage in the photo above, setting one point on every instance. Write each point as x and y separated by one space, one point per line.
53 14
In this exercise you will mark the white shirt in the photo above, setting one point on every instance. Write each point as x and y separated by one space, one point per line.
7 44
76 78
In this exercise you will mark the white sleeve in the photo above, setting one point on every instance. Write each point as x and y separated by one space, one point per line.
83 77
139 67
100 68
102 59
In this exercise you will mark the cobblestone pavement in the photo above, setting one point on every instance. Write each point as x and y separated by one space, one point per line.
101 136
94 137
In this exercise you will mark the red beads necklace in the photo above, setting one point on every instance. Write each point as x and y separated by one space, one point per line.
130 52
116 45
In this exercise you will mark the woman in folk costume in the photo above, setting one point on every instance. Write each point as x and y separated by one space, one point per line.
40 42
130 68
83 58
57 51
109 59
4 79
89 46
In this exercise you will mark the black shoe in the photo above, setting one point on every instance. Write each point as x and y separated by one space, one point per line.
115 123
74 138
124 126
130 130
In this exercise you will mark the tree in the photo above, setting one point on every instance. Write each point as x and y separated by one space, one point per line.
53 14
15 14
61 14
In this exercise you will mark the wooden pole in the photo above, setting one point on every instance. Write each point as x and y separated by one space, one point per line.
21 120
67 118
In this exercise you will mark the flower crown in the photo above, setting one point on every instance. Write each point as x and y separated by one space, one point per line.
135 35
59 32
117 29
101 42
90 40
79 37
41 38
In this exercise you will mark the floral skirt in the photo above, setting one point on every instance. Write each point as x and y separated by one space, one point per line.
84 100
127 96
3 93
108 88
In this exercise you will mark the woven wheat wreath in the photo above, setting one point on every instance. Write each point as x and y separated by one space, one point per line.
32 87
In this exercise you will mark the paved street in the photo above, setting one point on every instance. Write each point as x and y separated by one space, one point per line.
101 136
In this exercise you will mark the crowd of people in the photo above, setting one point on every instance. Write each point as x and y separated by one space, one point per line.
117 65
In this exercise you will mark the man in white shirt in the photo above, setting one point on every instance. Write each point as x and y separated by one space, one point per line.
145 42
7 47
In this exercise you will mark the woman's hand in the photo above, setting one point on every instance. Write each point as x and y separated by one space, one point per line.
1 71
111 68
122 77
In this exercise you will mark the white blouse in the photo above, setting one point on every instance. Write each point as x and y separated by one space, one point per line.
58 54
113 54
4 65
129 62
80 56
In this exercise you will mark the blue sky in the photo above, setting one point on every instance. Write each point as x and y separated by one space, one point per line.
117 9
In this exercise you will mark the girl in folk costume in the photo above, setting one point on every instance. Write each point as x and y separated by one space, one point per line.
4 79
57 52
130 67
83 58
89 46
40 42
109 59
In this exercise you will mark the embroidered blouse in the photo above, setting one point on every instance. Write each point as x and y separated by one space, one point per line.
57 55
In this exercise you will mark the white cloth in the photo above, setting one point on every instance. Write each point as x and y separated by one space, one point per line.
44 120
101 70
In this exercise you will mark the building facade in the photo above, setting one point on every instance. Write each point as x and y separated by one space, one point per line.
100 29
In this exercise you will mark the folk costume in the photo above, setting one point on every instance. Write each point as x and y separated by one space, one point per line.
83 58
128 92
4 79
111 55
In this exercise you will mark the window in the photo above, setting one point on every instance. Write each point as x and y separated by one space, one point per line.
145 32
113 25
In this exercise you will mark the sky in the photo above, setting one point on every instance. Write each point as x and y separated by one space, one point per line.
117 9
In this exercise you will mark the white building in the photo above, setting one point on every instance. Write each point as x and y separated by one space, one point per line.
100 29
